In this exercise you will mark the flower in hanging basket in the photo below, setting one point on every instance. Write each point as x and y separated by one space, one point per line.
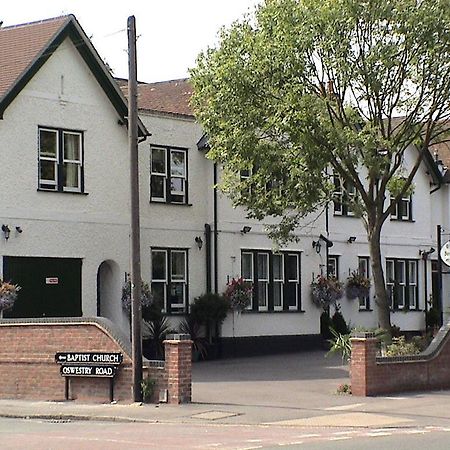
358 286
326 291
146 296
8 294
239 294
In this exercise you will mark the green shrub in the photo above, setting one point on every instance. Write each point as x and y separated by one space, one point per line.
210 310
148 387
400 347
340 343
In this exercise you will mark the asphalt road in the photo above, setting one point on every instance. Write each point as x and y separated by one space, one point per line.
38 434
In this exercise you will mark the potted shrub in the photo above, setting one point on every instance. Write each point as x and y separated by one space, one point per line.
326 291
8 295
190 326
210 311
146 296
239 294
358 286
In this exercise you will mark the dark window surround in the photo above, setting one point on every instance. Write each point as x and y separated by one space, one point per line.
340 197
167 305
336 259
395 306
270 307
168 199
403 218
60 137
366 306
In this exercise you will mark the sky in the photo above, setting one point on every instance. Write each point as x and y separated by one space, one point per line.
171 33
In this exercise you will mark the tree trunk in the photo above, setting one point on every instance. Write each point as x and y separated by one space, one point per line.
381 295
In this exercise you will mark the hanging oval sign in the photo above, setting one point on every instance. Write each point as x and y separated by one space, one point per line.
445 253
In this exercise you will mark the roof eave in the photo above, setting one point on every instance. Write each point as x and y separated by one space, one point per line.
71 28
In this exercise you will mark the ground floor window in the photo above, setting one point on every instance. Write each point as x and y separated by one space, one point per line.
401 283
364 270
170 279
275 278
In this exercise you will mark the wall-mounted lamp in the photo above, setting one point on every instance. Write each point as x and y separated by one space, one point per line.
317 246
351 239
19 230
6 231
246 229
199 241
425 253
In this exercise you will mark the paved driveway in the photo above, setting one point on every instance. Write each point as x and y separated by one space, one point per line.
292 380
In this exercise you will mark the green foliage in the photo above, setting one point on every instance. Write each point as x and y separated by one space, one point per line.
158 329
210 310
344 389
340 343
190 326
338 322
148 388
400 347
433 317
301 87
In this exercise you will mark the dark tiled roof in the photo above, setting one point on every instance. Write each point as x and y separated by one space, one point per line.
20 45
171 97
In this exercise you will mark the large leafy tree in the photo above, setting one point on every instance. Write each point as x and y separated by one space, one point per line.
304 88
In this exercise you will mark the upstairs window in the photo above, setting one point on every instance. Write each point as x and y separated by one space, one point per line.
402 209
168 175
60 160
343 197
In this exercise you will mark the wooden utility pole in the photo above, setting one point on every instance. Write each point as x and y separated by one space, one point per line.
136 309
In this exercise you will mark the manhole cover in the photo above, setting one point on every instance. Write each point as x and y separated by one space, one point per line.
214 415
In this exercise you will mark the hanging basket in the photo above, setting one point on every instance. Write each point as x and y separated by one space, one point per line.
8 295
358 286
326 291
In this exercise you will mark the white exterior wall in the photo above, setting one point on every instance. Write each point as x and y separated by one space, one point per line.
92 227
173 225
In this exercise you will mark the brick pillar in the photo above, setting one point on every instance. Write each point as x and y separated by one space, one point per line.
178 348
363 364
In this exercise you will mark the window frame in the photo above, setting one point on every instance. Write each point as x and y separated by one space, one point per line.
401 267
169 194
364 304
335 260
343 191
59 161
407 217
271 281
169 281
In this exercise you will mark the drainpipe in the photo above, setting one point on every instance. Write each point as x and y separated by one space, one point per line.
216 253
439 263
208 256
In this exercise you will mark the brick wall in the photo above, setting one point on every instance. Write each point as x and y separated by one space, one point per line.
28 369
373 375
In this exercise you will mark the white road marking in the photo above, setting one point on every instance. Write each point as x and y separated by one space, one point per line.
302 436
339 438
378 434
345 432
344 407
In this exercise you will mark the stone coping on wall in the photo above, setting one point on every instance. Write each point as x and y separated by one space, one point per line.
103 323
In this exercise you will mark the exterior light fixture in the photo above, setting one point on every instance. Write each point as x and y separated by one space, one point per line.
246 229
6 231
19 230
199 241
317 246
425 253
351 239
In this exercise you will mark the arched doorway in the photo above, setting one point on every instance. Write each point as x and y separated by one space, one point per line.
109 291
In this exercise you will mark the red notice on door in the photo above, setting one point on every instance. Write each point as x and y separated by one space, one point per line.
52 280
